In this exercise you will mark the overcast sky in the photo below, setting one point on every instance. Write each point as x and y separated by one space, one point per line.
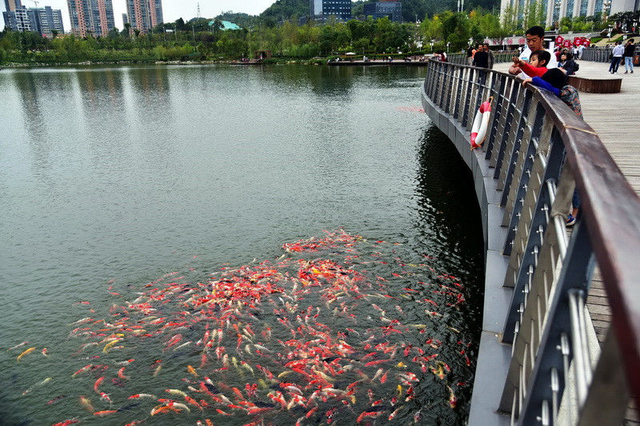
172 9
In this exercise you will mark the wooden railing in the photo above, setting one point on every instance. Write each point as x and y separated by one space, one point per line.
539 151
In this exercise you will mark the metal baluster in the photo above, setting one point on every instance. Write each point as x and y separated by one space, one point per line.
499 81
609 388
562 324
508 100
576 344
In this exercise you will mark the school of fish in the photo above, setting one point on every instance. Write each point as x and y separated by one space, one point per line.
311 337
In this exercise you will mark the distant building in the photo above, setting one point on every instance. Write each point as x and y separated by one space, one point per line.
556 10
93 17
322 10
17 20
144 14
391 9
15 16
125 19
12 5
46 20
41 20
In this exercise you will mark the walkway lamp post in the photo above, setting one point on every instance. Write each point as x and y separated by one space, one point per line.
606 6
448 44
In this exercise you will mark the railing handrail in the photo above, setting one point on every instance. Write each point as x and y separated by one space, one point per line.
610 208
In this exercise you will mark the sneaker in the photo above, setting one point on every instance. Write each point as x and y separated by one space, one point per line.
571 220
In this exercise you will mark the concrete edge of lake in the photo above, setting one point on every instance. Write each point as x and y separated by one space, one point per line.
493 355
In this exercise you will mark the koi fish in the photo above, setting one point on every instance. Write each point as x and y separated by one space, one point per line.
453 401
176 392
17 346
142 395
86 404
110 345
66 422
27 352
121 374
97 384
192 370
105 413
82 370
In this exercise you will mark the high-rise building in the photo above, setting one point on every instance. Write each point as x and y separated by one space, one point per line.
91 17
391 9
144 14
12 5
15 16
321 10
46 20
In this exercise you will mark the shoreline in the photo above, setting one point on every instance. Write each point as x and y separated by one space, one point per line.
314 62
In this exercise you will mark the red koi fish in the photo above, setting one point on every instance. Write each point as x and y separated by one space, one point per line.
97 384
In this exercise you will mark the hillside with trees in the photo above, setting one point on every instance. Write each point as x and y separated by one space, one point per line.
283 10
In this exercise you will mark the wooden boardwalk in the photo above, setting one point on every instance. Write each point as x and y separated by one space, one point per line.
615 117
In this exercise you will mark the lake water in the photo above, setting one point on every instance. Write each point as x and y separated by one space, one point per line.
112 178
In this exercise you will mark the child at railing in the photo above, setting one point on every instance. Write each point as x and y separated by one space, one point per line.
537 65
553 80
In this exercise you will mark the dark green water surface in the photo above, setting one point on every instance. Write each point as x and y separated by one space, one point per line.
112 178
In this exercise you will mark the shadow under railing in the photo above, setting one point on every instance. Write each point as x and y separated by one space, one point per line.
537 152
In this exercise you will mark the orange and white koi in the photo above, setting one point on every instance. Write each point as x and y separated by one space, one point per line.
142 395
121 374
82 370
97 384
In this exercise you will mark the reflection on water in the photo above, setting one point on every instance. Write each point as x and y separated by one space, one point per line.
128 173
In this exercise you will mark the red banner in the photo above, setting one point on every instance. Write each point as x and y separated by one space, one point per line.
559 40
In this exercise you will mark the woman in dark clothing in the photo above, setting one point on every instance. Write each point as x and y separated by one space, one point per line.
629 51
567 63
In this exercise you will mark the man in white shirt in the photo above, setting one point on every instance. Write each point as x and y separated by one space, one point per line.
535 37
616 53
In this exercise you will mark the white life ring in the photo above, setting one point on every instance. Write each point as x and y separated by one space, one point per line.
481 124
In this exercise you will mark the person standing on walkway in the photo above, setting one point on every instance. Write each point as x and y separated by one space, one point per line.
481 58
629 51
568 64
490 53
535 37
616 57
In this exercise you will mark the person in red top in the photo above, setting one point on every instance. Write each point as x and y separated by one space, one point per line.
537 65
